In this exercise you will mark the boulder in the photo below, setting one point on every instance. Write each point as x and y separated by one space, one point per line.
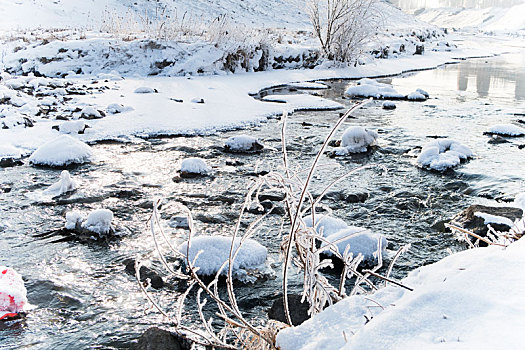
155 338
468 219
298 310
156 281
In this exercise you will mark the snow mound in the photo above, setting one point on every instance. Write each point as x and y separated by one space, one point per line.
98 221
416 96
356 139
519 201
64 185
423 92
481 287
359 241
243 143
62 151
388 105
371 88
325 225
194 166
89 112
144 90
506 130
12 293
215 251
8 151
115 108
443 154
72 127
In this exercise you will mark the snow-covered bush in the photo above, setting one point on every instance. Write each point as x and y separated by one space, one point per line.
372 88
97 221
62 151
506 130
356 139
243 143
443 154
194 166
64 185
343 27
12 293
214 251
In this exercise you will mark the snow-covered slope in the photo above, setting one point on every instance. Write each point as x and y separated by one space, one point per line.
497 19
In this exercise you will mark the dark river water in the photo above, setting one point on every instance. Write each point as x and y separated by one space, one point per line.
81 296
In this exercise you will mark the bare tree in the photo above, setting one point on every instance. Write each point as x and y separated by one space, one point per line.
343 27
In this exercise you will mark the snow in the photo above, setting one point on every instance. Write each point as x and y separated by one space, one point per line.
372 88
215 251
456 303
356 139
308 85
423 92
416 96
519 201
359 241
325 225
8 151
90 112
144 90
72 127
443 154
506 130
12 292
115 108
64 185
195 166
63 150
243 143
300 102
97 221
494 219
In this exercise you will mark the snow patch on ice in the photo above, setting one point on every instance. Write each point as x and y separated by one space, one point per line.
372 88
506 130
62 151
215 250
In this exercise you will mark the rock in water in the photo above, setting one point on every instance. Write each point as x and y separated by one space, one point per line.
62 151
158 339
243 143
298 310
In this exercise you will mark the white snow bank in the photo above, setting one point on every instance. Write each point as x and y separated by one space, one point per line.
359 241
64 185
8 151
98 221
243 143
195 166
443 154
307 85
506 130
372 88
494 219
456 304
356 139
299 102
64 150
215 251
12 293
325 225
72 127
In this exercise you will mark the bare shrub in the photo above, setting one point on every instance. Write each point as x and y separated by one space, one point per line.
343 27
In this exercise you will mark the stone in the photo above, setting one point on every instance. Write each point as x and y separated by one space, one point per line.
155 338
467 220
156 281
298 310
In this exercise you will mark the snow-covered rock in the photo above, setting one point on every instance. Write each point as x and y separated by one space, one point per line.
64 185
12 293
423 92
356 139
115 108
243 143
416 96
506 130
72 127
62 151
89 112
9 155
519 201
325 225
372 88
144 90
443 154
388 105
359 241
96 222
194 167
215 251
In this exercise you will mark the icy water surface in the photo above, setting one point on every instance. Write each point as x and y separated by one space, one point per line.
81 296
